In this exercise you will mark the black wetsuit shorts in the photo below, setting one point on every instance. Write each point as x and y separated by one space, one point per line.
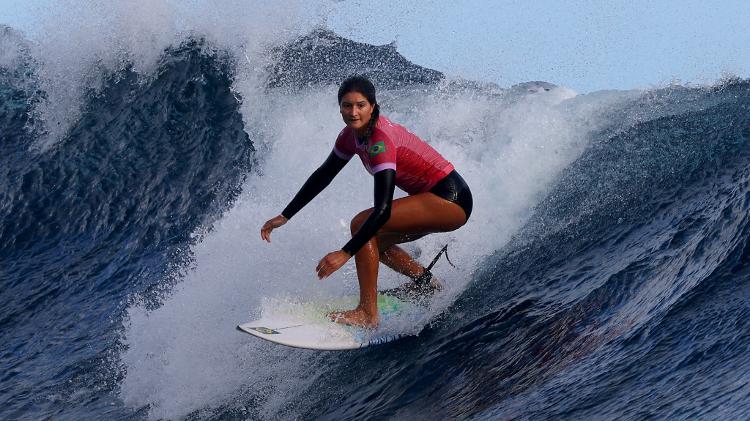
454 189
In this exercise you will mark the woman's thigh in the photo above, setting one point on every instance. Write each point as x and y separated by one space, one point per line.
414 216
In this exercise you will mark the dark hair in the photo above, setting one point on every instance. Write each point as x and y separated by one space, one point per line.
362 85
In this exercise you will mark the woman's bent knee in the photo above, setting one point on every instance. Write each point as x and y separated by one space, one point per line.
359 220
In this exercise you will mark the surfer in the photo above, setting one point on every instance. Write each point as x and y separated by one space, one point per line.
439 199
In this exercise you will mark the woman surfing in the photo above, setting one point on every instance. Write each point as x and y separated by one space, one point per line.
439 199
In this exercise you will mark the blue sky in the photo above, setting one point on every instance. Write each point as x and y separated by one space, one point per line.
584 45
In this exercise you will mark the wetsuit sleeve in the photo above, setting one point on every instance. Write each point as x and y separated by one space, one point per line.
319 180
385 184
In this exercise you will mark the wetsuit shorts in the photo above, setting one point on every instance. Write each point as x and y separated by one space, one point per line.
454 189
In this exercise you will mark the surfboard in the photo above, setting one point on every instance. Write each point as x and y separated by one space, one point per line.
310 328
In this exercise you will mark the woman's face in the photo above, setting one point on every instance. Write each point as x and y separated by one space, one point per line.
356 111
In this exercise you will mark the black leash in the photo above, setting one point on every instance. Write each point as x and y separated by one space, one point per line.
440 253
426 276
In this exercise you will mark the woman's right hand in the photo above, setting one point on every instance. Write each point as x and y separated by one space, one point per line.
270 225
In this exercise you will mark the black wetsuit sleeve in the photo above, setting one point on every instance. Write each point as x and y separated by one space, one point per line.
385 184
319 180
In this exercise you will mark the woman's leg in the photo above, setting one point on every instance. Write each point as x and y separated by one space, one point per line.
411 217
399 260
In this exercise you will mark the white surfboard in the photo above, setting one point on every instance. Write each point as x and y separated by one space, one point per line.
310 327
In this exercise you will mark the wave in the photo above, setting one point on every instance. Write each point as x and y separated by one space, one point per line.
607 302
115 204
603 273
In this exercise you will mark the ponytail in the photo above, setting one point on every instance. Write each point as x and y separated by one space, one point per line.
373 121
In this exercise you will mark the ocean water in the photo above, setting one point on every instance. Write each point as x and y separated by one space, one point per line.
603 274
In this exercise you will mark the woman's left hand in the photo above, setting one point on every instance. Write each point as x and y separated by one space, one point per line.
331 263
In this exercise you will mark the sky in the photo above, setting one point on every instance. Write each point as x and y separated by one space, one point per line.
584 45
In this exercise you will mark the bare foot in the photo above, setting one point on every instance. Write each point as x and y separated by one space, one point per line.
356 317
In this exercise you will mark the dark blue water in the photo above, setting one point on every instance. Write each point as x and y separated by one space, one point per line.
101 215
624 295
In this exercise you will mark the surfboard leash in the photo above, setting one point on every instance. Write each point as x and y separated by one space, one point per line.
426 276
442 251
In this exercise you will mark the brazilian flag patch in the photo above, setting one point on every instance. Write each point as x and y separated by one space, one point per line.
377 148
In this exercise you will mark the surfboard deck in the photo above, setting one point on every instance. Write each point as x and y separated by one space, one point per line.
310 328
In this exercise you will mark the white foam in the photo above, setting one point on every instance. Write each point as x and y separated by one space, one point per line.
76 42
11 49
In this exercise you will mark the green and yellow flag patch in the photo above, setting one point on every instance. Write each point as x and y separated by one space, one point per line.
377 148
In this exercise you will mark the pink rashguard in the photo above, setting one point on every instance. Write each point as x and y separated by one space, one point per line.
418 165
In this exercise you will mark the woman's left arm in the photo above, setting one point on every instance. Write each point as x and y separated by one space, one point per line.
385 184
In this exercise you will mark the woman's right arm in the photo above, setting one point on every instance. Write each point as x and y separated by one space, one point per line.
316 183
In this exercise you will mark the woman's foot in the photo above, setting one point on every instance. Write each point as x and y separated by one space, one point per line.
412 291
356 317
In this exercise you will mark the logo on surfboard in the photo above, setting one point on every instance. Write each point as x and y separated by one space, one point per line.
265 330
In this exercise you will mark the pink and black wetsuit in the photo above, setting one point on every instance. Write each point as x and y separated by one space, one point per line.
395 157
